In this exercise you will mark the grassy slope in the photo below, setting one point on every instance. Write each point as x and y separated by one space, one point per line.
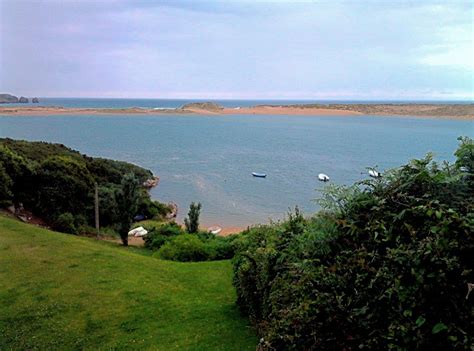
58 291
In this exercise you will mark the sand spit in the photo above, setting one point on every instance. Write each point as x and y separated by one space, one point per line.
443 111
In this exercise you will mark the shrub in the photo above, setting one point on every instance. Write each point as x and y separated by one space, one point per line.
384 266
160 235
65 223
220 248
6 183
184 248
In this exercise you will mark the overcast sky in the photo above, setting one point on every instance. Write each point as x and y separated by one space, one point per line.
238 49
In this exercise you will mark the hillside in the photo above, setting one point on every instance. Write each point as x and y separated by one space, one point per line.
60 291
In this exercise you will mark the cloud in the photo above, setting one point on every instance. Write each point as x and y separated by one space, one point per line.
237 49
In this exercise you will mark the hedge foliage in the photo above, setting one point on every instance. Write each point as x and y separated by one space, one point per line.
384 266
171 242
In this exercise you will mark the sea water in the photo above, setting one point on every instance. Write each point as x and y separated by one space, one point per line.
209 159
176 103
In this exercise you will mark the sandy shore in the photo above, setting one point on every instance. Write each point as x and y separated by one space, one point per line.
443 111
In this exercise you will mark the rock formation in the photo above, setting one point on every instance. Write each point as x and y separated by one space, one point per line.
8 99
23 100
151 183
208 106
35 100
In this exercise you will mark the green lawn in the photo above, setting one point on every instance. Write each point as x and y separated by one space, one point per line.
58 291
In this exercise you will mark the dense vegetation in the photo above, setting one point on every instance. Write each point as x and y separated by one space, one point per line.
63 292
57 184
170 242
385 265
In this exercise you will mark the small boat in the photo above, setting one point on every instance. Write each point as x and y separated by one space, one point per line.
374 174
323 177
139 231
259 175
214 230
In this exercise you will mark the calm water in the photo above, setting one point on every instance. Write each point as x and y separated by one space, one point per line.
210 158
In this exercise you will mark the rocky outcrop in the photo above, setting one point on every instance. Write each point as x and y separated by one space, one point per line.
23 100
173 210
35 100
8 99
151 183
208 106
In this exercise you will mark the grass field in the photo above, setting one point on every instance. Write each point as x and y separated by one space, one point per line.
58 291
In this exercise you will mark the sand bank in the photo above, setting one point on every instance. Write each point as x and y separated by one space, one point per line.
443 111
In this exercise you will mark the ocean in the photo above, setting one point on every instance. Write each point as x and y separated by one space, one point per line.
209 159
175 103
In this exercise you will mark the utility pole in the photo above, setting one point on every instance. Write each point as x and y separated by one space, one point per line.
96 197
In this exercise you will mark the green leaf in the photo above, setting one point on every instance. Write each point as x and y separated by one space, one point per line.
438 328
420 321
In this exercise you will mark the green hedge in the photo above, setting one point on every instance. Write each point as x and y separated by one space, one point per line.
384 266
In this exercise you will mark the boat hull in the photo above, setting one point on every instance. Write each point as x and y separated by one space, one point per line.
259 175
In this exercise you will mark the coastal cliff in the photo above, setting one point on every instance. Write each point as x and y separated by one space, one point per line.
8 99
12 99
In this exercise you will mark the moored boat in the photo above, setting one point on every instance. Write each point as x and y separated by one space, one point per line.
323 177
259 175
374 174
214 229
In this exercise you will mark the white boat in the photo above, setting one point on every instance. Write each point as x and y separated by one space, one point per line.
139 231
214 229
374 174
259 175
323 177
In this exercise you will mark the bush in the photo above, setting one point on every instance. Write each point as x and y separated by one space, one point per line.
65 223
172 243
184 248
6 184
384 266
160 235
220 248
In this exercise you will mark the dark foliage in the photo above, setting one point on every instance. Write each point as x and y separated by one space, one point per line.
63 185
127 198
52 180
384 266
65 223
192 221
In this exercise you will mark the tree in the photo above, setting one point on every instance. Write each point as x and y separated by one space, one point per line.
192 222
19 172
127 204
63 184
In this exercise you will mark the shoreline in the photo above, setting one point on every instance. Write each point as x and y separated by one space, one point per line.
438 111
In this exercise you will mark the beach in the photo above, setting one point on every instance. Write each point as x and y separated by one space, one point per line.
441 111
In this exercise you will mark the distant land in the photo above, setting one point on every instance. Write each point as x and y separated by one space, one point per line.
430 110
12 99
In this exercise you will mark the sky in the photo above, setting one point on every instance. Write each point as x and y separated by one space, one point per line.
248 49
